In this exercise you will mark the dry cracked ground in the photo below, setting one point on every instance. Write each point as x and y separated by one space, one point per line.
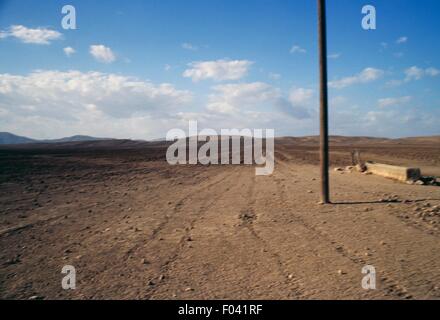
135 227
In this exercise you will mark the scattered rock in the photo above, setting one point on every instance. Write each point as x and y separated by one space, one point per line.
12 261
392 199
341 272
189 289
429 181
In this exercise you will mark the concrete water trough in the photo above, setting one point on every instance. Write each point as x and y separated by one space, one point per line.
403 174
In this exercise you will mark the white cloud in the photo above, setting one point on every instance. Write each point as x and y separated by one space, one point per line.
221 107
301 96
416 73
433 72
399 122
233 97
356 118
219 70
389 102
102 53
338 101
51 104
94 103
242 98
334 56
297 49
402 40
33 36
68 51
366 76
167 67
189 46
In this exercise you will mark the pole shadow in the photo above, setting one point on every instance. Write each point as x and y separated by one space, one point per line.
382 202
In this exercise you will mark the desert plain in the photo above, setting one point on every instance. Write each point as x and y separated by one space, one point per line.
135 227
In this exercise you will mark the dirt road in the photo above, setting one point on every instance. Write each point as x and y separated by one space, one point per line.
137 228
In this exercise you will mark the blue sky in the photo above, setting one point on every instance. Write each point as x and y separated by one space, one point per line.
137 68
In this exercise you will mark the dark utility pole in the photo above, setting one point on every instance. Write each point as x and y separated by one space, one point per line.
325 194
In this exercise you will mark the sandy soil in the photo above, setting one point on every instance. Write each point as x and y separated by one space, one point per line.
135 227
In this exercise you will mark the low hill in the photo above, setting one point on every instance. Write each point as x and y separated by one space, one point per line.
7 138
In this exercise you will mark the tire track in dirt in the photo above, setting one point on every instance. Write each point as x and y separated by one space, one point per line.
248 217
207 202
391 285
176 210
394 207
181 202
226 226
10 231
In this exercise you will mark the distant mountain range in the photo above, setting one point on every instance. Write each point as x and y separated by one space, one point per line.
9 138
